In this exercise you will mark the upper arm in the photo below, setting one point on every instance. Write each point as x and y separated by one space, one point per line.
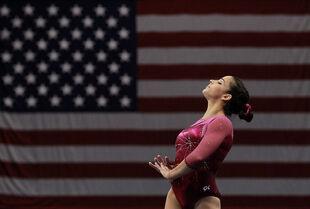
217 131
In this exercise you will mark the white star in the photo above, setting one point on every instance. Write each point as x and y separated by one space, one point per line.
78 101
64 22
102 101
112 22
8 101
125 56
100 10
123 10
28 34
77 56
42 89
113 67
88 22
17 44
66 89
55 100
99 34
125 101
29 55
112 44
54 77
90 89
42 66
19 90
6 56
125 79
52 33
31 101
17 22
7 79
64 44
18 68
101 56
66 67
89 68
52 10
42 44
53 55
76 10
89 44
123 33
28 9
40 22
76 34
102 79
5 34
31 78
78 79
114 90
4 11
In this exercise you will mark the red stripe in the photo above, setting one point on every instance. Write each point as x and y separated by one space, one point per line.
198 72
145 137
14 202
275 105
145 7
223 39
115 170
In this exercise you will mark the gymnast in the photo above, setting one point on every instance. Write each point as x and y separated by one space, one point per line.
202 147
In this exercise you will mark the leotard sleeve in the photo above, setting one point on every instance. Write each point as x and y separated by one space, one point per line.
216 132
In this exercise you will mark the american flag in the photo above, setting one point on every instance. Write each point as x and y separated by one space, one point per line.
93 90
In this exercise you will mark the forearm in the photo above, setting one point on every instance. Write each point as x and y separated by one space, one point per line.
180 170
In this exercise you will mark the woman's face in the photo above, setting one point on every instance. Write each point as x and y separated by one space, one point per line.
217 89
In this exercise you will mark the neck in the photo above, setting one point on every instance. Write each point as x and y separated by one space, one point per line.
213 110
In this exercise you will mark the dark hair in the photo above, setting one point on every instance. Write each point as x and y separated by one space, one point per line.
237 104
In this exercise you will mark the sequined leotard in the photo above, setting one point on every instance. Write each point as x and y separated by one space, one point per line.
203 146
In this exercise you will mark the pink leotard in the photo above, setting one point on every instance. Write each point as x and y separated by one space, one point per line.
203 146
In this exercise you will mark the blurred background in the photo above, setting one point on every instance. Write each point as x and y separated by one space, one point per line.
91 91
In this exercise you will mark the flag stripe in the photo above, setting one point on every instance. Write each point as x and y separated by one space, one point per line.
144 137
87 154
285 202
223 23
151 121
199 104
221 55
193 88
226 6
236 39
132 187
146 121
245 72
115 170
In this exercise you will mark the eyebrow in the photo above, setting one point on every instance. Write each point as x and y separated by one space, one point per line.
222 79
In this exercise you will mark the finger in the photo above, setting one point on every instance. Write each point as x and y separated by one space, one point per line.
168 162
153 166
161 159
156 161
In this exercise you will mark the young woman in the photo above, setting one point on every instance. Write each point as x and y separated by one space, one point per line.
202 147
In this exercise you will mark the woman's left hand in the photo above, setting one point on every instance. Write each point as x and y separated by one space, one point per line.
164 168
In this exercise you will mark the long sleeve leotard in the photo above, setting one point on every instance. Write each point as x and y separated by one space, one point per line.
203 146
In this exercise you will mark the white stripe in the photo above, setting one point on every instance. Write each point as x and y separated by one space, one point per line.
146 187
148 121
227 23
221 55
193 88
143 154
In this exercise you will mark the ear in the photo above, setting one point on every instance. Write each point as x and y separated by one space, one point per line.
226 97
